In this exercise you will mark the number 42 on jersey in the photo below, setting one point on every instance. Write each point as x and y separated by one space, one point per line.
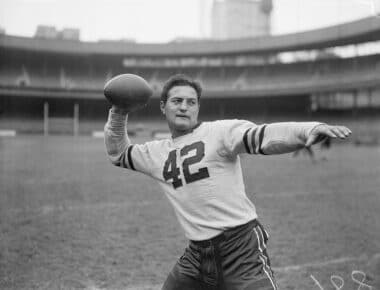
193 154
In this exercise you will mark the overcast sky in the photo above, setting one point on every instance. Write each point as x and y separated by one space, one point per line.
164 20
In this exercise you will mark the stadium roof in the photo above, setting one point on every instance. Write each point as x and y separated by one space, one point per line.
364 30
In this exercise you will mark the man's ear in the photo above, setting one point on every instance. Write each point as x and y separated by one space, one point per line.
162 107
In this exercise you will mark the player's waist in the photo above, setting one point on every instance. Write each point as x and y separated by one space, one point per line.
227 234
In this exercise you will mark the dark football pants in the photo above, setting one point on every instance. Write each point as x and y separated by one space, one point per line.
234 260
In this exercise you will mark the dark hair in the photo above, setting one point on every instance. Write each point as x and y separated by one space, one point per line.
180 80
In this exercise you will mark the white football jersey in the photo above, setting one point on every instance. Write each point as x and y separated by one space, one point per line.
200 172
201 175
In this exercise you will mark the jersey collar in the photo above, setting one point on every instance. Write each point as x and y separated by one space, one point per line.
191 131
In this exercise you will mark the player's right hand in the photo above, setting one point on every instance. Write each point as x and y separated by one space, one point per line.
128 91
120 110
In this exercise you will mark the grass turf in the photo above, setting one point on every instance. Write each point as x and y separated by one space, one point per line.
70 220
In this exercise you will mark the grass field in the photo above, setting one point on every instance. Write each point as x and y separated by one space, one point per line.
70 220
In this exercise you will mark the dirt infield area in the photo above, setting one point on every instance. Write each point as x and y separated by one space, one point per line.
70 220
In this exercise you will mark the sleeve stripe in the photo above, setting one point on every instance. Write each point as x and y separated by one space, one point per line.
246 141
250 140
122 162
261 137
253 142
131 166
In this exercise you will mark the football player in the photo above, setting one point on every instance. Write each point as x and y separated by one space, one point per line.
199 170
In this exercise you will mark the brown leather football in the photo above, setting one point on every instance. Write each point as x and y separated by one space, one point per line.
128 91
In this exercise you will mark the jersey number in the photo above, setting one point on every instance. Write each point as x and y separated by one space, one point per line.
171 171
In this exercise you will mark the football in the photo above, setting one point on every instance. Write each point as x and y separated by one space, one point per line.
128 91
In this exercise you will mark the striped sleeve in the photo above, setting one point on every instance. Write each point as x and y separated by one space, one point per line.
241 136
266 139
253 139
125 159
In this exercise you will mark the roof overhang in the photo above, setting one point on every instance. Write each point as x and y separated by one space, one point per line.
364 30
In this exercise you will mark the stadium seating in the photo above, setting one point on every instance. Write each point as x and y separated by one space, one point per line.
236 82
276 76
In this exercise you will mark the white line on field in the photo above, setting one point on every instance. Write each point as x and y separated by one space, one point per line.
326 263
293 194
47 209
108 205
144 287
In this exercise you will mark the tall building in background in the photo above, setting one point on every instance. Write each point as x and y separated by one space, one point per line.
203 19
240 18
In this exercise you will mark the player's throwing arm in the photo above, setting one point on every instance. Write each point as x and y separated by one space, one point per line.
126 93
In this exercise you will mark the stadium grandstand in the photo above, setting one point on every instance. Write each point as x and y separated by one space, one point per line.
56 85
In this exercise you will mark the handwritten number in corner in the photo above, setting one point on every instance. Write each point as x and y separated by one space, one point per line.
358 277
361 283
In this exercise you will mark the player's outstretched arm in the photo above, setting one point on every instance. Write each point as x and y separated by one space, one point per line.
287 137
115 134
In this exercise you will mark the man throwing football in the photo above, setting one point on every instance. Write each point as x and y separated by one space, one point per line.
199 170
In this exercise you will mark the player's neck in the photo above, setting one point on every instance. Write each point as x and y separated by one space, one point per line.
178 133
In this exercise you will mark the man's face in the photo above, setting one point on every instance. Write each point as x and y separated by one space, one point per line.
181 109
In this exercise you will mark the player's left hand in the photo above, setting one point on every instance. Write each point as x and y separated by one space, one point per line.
323 131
